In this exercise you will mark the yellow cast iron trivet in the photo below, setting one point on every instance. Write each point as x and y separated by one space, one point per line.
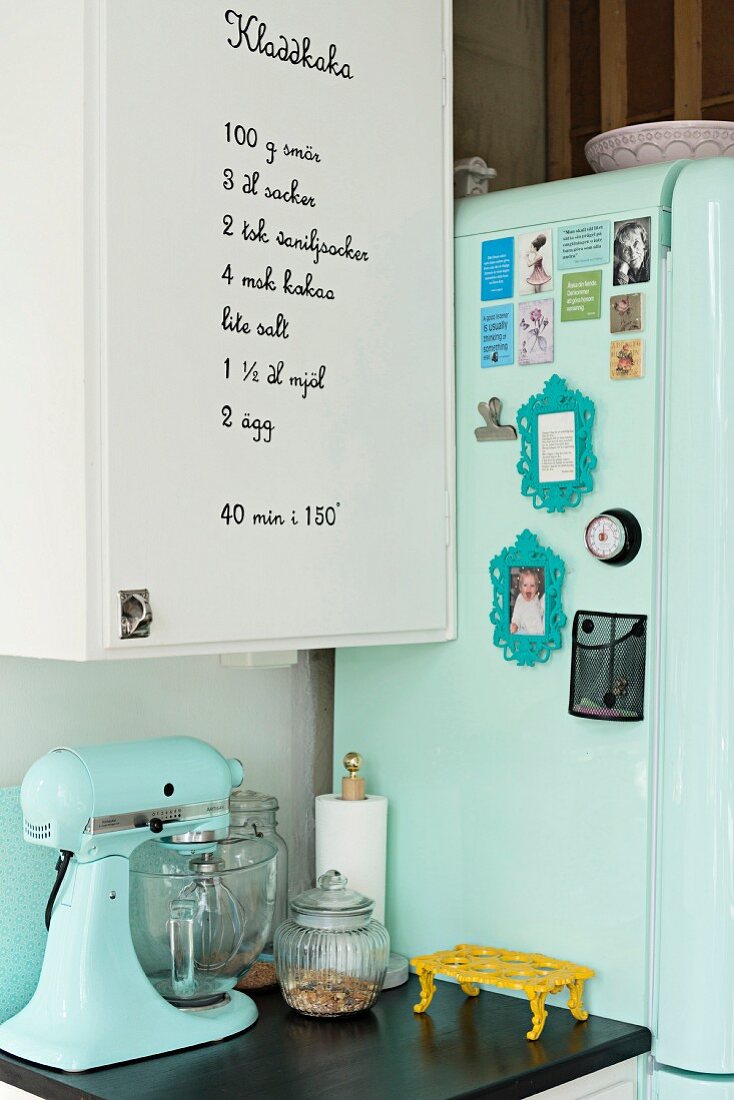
537 975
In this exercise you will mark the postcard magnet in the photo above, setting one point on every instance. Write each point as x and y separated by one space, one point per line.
535 262
625 359
535 332
497 336
497 268
626 313
584 245
581 296
632 251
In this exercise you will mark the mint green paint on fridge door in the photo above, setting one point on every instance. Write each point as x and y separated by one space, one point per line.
512 822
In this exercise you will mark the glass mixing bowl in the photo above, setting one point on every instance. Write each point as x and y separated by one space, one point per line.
200 914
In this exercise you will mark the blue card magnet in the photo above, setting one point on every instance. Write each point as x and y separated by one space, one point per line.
497 338
497 268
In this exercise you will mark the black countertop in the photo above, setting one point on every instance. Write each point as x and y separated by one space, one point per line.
462 1046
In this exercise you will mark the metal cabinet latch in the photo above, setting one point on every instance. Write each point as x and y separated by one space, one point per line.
135 613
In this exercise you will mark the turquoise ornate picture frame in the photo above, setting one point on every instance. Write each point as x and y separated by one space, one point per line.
557 456
526 610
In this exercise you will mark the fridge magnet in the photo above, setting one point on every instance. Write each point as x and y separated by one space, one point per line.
625 359
613 537
497 268
584 245
493 431
631 252
557 457
608 666
526 609
498 336
626 313
535 262
581 296
535 332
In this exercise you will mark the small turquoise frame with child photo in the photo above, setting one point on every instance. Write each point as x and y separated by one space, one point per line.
557 457
526 610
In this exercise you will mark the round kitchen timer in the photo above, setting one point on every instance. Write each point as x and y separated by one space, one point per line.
613 537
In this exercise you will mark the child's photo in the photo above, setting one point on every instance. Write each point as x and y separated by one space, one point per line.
632 252
625 313
527 600
535 262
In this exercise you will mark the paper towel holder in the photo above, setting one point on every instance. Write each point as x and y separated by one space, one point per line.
353 790
353 784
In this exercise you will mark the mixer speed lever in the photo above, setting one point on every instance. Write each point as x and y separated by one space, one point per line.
62 865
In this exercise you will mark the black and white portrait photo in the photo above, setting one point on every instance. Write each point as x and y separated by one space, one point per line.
632 252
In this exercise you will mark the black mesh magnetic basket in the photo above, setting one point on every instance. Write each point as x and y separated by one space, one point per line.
608 666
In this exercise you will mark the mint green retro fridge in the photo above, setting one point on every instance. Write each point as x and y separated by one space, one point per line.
561 776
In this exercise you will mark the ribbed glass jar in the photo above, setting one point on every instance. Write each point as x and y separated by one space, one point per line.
331 957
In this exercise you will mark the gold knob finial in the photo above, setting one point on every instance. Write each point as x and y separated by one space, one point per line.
353 762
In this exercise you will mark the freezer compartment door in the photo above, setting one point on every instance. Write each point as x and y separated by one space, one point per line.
668 1084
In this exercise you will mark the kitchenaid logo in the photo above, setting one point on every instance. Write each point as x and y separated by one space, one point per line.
253 33
217 807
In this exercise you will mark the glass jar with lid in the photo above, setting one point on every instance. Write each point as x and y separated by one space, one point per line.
331 956
254 814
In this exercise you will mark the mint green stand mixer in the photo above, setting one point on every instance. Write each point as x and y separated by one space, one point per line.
94 1004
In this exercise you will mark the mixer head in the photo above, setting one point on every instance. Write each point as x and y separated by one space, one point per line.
108 798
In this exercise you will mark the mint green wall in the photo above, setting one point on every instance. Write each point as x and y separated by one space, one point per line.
512 823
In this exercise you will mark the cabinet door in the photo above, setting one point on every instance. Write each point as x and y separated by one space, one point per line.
613 1083
276 397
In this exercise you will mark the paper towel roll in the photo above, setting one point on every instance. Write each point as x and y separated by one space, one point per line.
351 837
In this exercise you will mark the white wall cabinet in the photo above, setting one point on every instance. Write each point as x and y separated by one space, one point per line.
225 330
